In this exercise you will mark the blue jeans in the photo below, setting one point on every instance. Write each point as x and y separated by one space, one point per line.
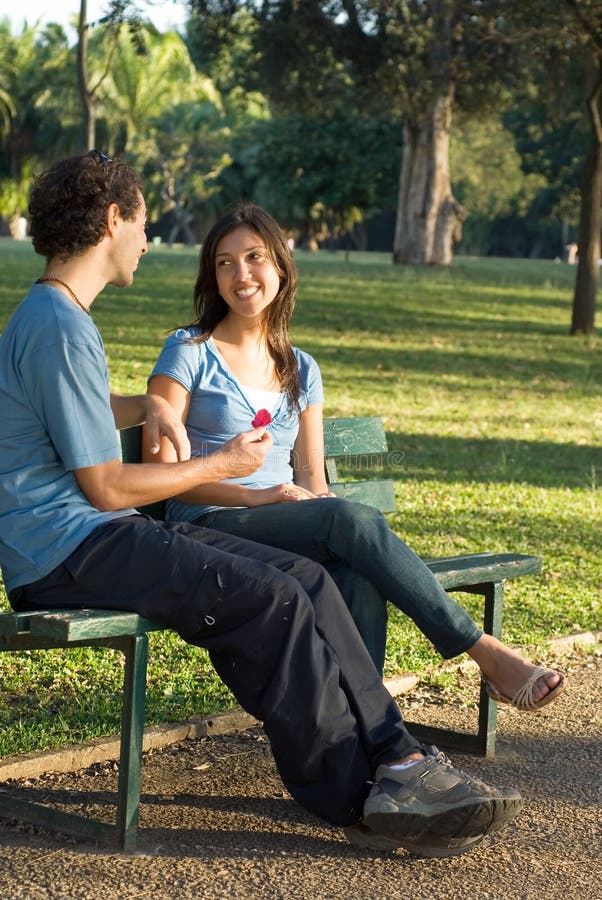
368 562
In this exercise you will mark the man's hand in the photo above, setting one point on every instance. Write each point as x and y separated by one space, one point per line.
161 421
243 454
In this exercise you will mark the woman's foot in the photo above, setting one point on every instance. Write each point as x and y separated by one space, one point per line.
512 679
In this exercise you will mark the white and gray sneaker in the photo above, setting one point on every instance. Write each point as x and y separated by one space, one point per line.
424 844
431 809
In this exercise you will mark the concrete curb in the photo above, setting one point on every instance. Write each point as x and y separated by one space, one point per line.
570 641
89 753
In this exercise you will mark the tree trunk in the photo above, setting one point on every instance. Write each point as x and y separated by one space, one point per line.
429 219
182 221
588 269
89 125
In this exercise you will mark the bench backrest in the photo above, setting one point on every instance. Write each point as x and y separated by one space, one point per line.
351 443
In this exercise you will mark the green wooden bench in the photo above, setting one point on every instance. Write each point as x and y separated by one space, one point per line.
352 441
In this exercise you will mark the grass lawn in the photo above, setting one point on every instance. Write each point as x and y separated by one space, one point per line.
494 419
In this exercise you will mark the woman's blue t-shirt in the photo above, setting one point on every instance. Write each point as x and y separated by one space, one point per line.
220 409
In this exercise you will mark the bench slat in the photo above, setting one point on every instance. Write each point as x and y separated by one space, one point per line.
380 494
350 437
87 624
15 622
353 439
480 568
69 626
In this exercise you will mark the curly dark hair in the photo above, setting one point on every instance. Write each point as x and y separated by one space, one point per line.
69 202
210 307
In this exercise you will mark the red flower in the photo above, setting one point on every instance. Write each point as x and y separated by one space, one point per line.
262 418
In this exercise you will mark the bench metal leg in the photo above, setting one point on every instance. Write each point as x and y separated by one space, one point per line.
132 732
123 833
483 742
492 624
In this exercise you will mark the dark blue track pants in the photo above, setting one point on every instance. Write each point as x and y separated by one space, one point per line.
278 633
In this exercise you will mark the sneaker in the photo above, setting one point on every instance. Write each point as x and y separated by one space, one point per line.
425 844
361 835
434 809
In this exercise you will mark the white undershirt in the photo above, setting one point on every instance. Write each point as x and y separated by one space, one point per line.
260 399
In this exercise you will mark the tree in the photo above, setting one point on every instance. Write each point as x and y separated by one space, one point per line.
320 188
569 58
36 80
412 58
586 284
120 14
489 181
149 76
182 154
88 91
7 112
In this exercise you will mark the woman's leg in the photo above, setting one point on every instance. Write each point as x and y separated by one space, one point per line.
332 530
359 537
367 606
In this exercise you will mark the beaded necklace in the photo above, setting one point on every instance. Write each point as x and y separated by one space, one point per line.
72 293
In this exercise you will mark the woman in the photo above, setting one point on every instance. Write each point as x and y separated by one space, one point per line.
236 359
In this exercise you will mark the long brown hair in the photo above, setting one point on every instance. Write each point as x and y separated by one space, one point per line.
211 308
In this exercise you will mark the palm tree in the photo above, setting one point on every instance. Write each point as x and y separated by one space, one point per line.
149 76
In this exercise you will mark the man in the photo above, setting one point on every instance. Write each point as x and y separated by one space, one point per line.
276 628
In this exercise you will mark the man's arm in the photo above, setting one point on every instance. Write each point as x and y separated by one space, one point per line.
159 418
116 485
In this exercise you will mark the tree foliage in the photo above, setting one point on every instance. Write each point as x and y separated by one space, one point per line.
308 107
320 176
409 60
424 60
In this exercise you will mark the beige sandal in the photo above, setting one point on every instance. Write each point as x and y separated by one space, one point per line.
523 699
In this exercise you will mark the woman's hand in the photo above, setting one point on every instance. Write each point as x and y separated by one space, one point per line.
282 493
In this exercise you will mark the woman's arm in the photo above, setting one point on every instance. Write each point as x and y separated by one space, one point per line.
308 452
166 389
217 493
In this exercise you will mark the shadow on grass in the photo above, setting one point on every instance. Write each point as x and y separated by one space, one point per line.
483 460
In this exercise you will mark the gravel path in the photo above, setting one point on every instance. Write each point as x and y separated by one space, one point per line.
216 823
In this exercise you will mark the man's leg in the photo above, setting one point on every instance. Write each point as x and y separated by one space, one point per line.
293 527
265 641
368 609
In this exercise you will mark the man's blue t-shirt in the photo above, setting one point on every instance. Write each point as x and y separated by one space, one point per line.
55 416
221 408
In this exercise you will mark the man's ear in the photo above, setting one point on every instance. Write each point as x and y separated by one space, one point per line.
113 218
